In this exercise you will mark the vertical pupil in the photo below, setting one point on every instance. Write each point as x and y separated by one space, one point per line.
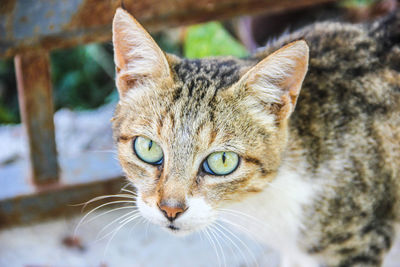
223 157
150 144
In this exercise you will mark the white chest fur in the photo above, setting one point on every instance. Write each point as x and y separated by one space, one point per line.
274 217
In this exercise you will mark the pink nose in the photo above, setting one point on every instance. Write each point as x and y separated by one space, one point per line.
171 212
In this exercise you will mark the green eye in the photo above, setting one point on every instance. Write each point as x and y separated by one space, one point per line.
221 163
148 151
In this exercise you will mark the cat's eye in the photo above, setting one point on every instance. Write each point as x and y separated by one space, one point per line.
148 150
221 163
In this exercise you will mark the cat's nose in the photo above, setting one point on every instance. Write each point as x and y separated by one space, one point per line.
171 212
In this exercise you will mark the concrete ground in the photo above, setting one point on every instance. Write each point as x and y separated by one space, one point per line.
50 244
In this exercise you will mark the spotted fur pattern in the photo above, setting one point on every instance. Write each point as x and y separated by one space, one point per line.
341 144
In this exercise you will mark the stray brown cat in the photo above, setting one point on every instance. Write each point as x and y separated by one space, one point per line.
221 139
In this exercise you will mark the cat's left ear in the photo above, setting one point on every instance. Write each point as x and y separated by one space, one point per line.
137 57
276 80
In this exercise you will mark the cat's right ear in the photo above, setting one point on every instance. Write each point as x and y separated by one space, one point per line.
275 82
137 57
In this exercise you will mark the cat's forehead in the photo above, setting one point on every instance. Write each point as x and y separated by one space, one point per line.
212 72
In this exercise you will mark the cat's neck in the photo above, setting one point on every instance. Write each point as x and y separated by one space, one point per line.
277 211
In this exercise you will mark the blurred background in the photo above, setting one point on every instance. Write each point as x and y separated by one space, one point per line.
56 58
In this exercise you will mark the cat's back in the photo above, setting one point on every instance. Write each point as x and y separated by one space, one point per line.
352 87
351 93
348 112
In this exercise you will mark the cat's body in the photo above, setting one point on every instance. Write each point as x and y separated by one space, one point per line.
321 184
347 125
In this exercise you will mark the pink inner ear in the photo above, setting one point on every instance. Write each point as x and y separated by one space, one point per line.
118 57
294 81
137 57
277 79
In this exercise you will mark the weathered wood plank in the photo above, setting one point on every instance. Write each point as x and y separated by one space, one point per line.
54 202
36 107
84 176
50 24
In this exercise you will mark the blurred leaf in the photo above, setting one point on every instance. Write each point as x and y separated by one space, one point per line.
211 39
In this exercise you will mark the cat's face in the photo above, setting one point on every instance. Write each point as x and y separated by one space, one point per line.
194 135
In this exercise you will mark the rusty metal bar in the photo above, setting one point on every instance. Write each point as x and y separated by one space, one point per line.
50 24
36 106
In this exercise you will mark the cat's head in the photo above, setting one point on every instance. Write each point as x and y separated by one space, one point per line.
194 135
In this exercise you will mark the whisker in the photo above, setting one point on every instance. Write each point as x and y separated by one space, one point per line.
126 184
218 244
234 244
129 215
94 209
237 238
147 228
129 191
243 229
100 198
235 212
226 243
136 213
109 211
213 244
111 238
142 220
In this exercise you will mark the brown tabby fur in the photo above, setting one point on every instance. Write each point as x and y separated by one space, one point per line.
346 125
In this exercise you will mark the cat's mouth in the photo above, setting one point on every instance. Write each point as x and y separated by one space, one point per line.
173 227
178 230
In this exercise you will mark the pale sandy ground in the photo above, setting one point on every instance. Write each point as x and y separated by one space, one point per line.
143 245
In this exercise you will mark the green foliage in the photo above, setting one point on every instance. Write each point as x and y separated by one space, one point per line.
82 77
169 43
8 93
211 39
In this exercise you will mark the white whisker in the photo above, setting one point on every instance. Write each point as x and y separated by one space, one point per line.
103 205
147 228
129 191
109 211
243 229
213 244
218 244
103 197
241 242
132 213
136 213
141 220
234 244
115 232
242 214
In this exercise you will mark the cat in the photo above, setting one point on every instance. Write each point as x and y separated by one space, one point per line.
298 145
